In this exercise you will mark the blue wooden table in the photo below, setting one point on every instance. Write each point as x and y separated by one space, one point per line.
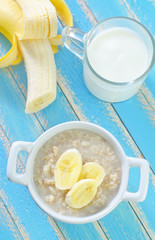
131 122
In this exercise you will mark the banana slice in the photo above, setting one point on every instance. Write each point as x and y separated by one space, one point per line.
92 170
82 193
68 169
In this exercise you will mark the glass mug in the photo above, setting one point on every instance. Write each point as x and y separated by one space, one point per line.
78 42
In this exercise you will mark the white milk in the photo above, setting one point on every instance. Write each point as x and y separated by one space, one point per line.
118 54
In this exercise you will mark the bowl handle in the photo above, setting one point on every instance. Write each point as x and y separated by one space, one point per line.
12 161
140 195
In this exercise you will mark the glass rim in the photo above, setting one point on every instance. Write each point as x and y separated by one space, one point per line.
88 35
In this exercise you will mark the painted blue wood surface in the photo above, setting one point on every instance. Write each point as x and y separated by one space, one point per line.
8 229
127 221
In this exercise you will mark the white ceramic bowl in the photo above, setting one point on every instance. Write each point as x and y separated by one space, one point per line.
33 148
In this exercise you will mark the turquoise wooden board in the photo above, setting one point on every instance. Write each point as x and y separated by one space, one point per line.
128 220
81 231
8 229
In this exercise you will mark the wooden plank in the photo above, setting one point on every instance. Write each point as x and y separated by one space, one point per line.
81 231
8 229
143 11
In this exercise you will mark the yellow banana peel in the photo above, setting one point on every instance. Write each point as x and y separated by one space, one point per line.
56 40
12 55
63 12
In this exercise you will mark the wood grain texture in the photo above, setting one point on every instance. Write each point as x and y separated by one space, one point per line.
8 229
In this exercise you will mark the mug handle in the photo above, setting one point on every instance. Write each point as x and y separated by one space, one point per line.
12 161
140 195
73 39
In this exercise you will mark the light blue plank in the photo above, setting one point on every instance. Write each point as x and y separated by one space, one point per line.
8 229
81 231
140 125
143 10
5 233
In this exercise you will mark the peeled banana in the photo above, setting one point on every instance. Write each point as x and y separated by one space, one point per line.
39 19
67 169
92 170
41 72
82 193
31 27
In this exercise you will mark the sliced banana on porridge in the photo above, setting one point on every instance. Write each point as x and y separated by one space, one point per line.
67 169
82 193
92 170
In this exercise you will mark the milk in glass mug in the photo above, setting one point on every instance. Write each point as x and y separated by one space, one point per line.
118 53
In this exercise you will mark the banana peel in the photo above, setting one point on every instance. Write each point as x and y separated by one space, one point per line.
63 12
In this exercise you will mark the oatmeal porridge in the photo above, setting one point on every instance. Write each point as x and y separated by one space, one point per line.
93 154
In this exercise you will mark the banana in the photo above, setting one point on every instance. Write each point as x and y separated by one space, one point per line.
63 12
10 22
56 40
39 23
11 17
28 24
52 17
82 193
39 19
54 48
41 72
92 170
67 169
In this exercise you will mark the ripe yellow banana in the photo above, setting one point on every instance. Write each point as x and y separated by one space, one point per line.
41 72
56 40
92 170
82 193
54 48
67 169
